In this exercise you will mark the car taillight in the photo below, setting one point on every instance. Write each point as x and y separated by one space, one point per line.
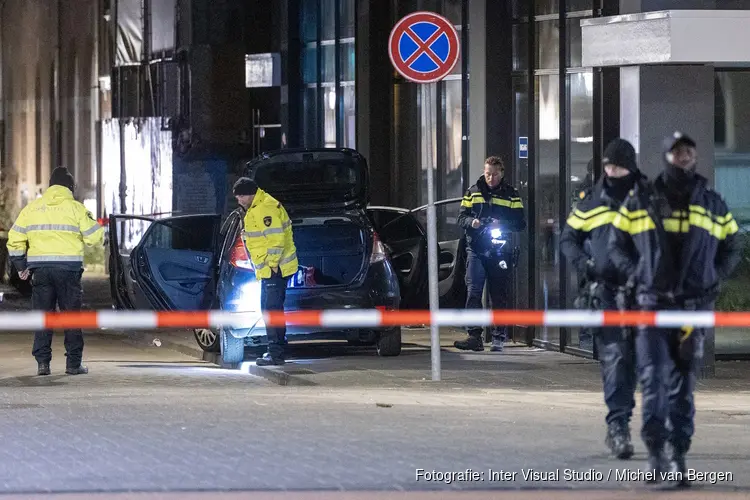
378 250
238 256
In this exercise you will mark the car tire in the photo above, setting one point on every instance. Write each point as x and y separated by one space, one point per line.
232 348
389 342
207 339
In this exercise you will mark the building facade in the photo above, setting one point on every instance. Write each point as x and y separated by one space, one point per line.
526 71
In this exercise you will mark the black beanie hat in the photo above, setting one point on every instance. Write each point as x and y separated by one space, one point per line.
244 186
621 153
61 177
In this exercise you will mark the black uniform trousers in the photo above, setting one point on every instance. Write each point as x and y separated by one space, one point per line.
481 269
616 348
52 287
668 364
272 298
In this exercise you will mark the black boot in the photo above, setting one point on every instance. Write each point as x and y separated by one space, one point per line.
267 360
658 464
678 465
472 343
618 440
43 369
77 370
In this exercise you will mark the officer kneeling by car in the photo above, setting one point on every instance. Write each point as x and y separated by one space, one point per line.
269 240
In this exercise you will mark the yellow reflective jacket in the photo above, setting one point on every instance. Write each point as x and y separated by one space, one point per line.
268 237
51 231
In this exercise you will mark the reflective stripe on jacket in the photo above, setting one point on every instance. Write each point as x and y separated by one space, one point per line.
640 245
590 221
51 232
482 202
268 237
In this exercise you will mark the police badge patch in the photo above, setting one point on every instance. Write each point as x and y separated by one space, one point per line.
267 221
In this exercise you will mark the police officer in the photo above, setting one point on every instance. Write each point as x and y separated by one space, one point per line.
46 243
268 237
677 239
590 222
492 198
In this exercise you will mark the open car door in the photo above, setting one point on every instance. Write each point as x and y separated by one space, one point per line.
163 264
406 243
451 253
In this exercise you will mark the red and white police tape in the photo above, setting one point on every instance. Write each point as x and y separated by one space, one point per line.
365 318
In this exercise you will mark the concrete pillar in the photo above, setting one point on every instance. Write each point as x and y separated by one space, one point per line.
657 100
490 85
374 74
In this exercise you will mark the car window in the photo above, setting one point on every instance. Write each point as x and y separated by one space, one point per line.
190 233
395 225
228 233
446 215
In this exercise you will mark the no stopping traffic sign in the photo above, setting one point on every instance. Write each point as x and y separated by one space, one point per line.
423 47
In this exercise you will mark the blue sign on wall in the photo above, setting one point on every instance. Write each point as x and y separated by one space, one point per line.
523 147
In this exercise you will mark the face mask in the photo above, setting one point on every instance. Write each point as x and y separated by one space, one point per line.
680 175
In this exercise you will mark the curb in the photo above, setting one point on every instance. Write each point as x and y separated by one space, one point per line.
277 376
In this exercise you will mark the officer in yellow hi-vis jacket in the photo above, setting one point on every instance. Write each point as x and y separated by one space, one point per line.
46 244
268 237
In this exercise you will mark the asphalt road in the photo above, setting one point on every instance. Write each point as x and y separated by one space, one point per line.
152 420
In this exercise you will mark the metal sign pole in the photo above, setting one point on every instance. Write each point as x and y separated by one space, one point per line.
426 62
432 273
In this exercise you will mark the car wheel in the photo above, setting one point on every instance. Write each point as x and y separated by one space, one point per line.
232 348
207 339
389 342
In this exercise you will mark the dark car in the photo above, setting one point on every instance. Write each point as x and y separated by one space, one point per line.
350 256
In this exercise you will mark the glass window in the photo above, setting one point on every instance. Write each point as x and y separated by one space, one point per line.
310 120
575 54
547 149
350 117
579 5
310 65
329 116
732 176
580 167
348 67
520 33
520 9
452 11
328 16
453 181
520 179
547 7
196 234
347 18
329 63
548 41
309 13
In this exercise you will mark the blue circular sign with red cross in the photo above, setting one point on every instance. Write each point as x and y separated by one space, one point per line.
423 47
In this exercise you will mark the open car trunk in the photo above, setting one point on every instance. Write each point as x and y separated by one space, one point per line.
331 250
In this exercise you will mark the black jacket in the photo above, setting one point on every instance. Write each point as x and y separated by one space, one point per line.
639 244
586 236
480 202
